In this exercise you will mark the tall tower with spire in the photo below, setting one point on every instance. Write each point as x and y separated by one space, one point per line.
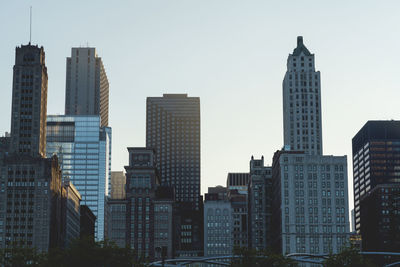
29 101
302 102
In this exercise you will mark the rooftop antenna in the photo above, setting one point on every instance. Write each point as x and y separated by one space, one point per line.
30 26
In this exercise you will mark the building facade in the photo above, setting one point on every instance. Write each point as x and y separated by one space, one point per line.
260 198
31 195
380 217
218 224
118 181
84 151
141 182
310 203
30 184
240 218
87 85
29 101
116 221
238 181
302 102
163 222
87 222
173 130
71 213
376 156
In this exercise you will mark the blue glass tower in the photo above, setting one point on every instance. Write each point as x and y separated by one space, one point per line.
84 151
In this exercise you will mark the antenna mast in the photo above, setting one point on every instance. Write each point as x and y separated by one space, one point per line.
30 26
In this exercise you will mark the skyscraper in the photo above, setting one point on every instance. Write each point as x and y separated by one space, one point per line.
31 191
29 101
84 151
302 102
141 184
86 84
173 130
376 158
260 197
310 192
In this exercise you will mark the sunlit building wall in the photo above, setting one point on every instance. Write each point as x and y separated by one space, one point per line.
87 86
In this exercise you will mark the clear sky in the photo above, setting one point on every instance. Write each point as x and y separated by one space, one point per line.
232 54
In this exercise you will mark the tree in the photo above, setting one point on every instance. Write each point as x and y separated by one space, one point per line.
81 252
251 257
348 257
16 256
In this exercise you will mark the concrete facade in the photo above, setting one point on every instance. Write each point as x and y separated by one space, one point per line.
30 184
163 222
260 197
310 203
141 182
87 86
71 213
30 202
29 102
302 102
218 226
118 181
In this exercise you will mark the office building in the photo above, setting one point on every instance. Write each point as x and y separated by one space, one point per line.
116 210
380 218
173 130
31 192
310 203
302 102
240 218
218 224
260 197
87 222
29 102
71 213
30 209
84 151
376 155
310 192
163 222
86 84
118 181
116 221
218 191
141 182
239 181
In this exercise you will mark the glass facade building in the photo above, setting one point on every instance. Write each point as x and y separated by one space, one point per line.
84 151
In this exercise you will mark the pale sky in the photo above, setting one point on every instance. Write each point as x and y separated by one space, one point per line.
232 54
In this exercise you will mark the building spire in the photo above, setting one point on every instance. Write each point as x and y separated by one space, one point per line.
30 26
299 40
